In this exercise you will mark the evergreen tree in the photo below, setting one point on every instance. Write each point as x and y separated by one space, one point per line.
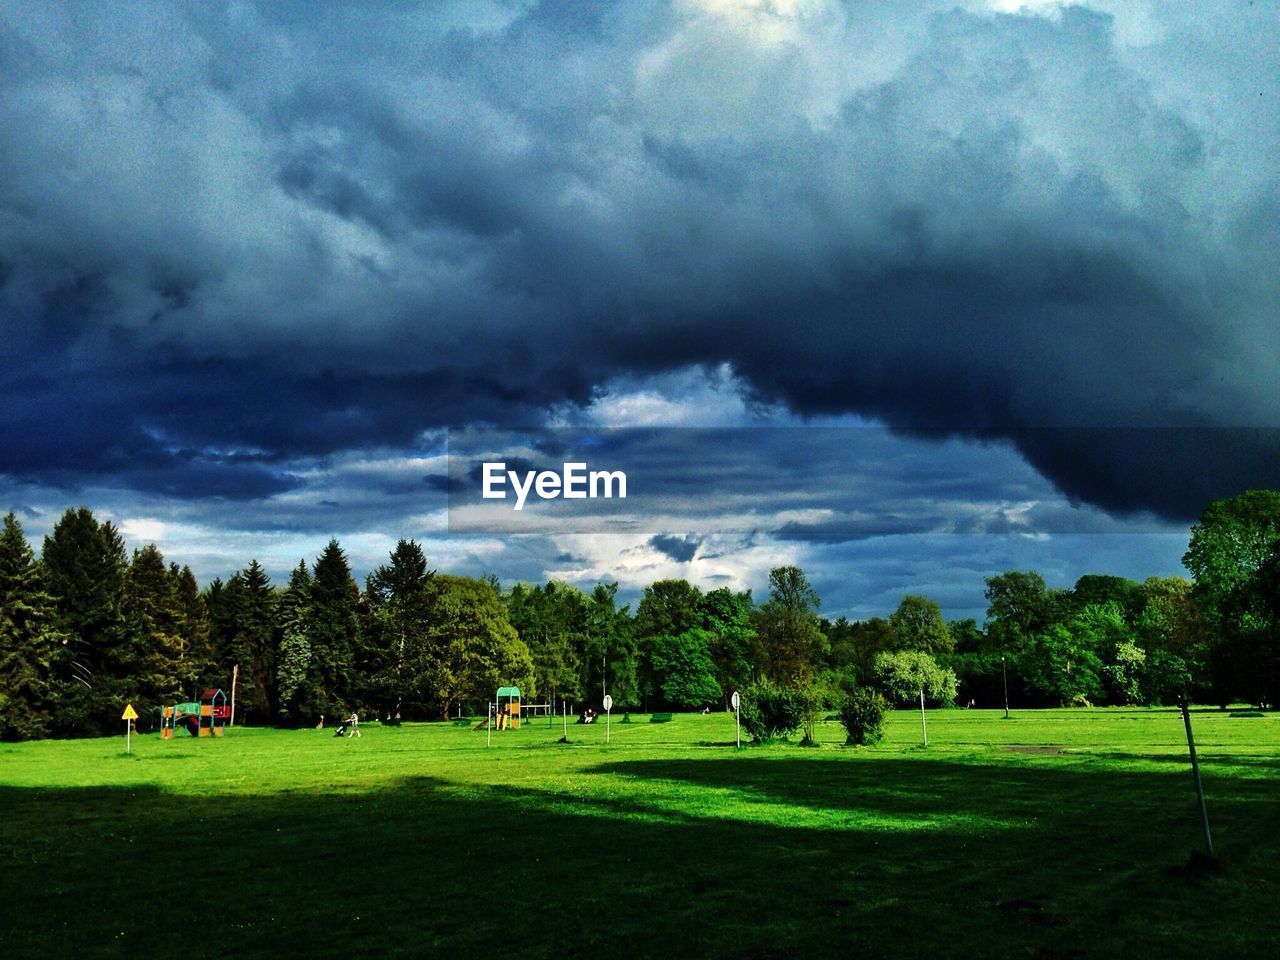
294 661
85 566
250 621
398 600
332 628
30 644
194 626
156 622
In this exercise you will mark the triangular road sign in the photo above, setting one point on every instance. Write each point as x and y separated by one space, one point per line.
129 712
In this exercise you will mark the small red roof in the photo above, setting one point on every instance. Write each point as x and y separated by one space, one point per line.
211 693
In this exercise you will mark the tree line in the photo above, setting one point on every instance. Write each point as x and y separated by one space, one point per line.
86 626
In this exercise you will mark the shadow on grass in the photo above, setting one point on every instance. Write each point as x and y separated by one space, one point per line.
425 867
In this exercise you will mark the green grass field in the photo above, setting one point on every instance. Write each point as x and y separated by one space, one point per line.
1052 834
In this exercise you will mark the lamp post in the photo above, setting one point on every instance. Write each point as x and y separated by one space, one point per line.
1004 673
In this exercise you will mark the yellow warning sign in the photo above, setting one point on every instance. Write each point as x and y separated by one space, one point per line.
129 712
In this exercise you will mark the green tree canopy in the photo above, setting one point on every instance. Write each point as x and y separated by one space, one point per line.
684 669
901 674
787 627
919 625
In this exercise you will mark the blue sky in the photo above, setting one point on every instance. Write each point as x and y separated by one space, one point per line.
256 259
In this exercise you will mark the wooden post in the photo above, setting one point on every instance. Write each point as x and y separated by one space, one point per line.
924 730
235 675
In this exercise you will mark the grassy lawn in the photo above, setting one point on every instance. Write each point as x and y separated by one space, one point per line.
1053 834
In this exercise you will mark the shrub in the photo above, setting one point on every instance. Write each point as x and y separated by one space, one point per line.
770 711
812 701
863 717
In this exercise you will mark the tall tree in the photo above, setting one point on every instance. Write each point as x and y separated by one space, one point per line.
253 641
1019 606
552 621
610 655
293 669
157 624
667 608
332 629
726 616
398 596
85 564
30 644
919 626
787 626
685 672
471 647
1229 548
194 618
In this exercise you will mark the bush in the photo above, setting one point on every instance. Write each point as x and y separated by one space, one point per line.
769 711
812 702
863 717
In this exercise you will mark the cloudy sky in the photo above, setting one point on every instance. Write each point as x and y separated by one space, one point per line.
926 291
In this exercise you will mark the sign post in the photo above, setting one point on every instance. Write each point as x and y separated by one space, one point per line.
924 730
608 714
128 717
736 700
1195 770
1004 673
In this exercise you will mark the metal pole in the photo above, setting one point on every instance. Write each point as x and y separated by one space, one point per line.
488 724
128 729
923 729
565 706
1195 769
1004 673
738 722
608 716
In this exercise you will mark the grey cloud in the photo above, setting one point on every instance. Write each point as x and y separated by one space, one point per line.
680 549
313 229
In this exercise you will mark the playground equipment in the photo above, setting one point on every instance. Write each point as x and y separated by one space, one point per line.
205 718
508 708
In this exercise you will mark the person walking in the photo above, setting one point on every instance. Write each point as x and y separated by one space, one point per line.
353 724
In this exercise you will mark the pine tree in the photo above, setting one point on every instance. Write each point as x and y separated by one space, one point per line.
85 565
194 627
332 629
294 661
29 643
155 621
248 628
398 610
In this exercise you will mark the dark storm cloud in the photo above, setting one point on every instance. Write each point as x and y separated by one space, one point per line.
232 235
679 549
